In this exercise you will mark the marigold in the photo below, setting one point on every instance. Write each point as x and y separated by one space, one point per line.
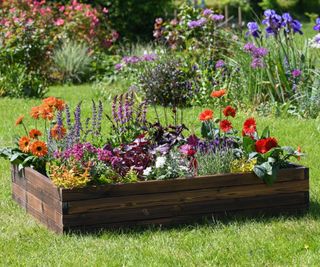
34 133
229 111
206 115
24 144
19 120
225 126
218 94
39 148
58 132
266 144
249 127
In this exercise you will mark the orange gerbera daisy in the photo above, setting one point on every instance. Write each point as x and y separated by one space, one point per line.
35 133
24 144
35 112
58 132
50 101
39 148
19 120
59 104
218 94
46 112
206 115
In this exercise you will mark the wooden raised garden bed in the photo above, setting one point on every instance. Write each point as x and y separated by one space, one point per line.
158 202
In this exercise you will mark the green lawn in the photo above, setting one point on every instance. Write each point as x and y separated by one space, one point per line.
242 242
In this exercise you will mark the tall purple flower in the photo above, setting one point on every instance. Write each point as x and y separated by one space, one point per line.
114 107
253 29
94 116
120 109
77 124
291 24
99 118
68 116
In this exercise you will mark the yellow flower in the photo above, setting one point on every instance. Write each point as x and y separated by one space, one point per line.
243 165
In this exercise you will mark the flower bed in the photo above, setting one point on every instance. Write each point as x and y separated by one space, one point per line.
81 176
158 202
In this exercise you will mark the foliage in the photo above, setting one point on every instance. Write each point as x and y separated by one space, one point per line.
72 62
166 84
17 81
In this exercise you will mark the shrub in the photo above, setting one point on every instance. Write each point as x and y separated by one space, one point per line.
166 84
72 62
17 81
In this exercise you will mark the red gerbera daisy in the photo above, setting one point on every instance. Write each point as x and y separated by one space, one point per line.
225 125
229 111
249 127
266 144
206 115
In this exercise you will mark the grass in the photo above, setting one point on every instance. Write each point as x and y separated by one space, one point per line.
241 242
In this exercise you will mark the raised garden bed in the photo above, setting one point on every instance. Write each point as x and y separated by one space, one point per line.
158 202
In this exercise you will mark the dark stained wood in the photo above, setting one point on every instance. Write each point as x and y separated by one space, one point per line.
176 185
194 208
173 198
158 202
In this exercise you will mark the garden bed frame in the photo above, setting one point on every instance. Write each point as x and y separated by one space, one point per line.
158 202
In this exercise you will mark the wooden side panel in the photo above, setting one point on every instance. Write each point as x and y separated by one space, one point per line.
45 209
151 187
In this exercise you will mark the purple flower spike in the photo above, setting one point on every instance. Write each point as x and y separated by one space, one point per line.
114 107
120 109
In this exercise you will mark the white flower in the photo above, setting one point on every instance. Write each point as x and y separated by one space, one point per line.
160 162
315 41
147 171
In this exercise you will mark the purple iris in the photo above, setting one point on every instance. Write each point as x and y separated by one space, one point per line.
317 26
253 28
292 24
220 64
273 21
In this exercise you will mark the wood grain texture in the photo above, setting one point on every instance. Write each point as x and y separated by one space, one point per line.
158 202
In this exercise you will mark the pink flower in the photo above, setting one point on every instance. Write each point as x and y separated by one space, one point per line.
62 8
59 22
8 34
105 10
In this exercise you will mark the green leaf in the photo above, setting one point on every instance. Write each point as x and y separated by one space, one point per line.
265 133
248 145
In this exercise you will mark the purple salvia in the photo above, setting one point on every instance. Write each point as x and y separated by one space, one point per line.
77 125
94 117
114 107
68 117
120 109
126 108
99 118
144 112
59 122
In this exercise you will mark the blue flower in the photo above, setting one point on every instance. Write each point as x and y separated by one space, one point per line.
253 28
317 26
291 24
273 21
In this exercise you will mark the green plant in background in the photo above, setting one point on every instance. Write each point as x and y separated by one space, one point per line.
72 61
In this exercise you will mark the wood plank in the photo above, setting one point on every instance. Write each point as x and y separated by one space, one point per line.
176 185
37 188
181 209
171 221
173 198
26 199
